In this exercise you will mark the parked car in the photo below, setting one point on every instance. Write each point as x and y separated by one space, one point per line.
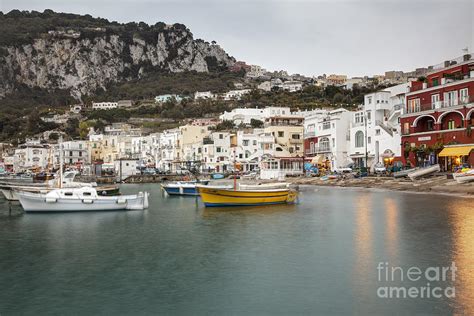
380 168
149 171
346 169
183 172
341 170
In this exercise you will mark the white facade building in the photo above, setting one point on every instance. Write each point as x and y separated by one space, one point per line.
204 95
377 126
255 72
146 148
126 167
215 153
326 134
31 157
245 115
75 152
169 150
292 86
104 105
235 94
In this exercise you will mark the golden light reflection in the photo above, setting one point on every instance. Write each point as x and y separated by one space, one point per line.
391 228
463 234
363 238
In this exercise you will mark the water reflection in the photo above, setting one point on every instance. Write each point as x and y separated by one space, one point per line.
463 230
391 228
316 257
256 210
363 240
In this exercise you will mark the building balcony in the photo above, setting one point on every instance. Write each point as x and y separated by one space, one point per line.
309 134
295 141
207 141
357 124
439 105
318 150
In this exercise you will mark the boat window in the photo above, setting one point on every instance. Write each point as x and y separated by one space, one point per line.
68 193
86 193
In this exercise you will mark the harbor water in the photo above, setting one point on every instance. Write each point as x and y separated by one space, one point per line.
324 255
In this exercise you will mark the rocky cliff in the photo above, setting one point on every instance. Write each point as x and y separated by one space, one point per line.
84 54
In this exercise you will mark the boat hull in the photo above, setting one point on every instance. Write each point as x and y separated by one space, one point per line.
9 195
213 197
181 191
403 173
423 172
464 177
265 186
184 188
34 202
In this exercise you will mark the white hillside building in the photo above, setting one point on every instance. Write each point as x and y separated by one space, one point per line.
326 134
245 115
204 95
292 86
104 105
215 152
235 94
169 150
380 117
31 156
251 146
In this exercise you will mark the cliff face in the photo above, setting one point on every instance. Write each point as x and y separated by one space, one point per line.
84 60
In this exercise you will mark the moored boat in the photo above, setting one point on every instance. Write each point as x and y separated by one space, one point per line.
423 172
264 186
182 187
404 173
9 189
80 199
464 177
212 196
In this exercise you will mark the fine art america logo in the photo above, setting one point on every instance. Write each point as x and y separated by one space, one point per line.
404 282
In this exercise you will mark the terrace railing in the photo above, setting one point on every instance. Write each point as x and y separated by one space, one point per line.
441 104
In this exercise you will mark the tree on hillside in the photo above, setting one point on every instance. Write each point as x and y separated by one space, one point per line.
256 123
83 130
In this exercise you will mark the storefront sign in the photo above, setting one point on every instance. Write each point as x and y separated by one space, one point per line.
424 138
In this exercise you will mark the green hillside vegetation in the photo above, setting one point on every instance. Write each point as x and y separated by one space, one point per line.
20 27
158 83
20 109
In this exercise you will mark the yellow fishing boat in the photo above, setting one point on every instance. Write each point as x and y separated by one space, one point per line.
229 197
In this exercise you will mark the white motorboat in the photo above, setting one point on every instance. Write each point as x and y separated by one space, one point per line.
464 177
9 194
421 172
80 199
9 189
264 186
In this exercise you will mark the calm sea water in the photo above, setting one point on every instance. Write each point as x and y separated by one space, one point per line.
317 257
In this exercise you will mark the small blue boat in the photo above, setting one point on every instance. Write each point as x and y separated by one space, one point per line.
183 188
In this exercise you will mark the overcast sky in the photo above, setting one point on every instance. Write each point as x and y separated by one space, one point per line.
311 37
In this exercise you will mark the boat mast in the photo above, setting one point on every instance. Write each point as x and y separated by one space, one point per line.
61 158
235 174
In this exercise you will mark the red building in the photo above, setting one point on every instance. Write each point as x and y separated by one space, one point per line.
439 116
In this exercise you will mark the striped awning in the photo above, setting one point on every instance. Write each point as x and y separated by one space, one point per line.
456 151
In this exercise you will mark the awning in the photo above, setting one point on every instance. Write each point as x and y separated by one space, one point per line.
456 151
388 154
317 159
